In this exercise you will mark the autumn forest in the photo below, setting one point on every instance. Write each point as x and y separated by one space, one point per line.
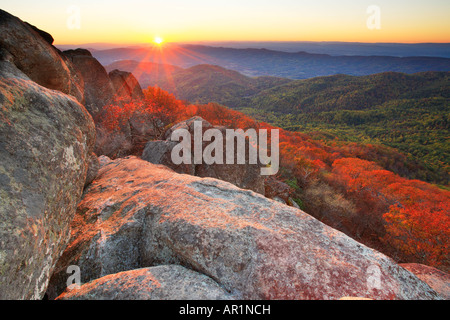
350 186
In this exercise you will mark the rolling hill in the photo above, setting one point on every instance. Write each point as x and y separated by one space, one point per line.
200 83
406 112
147 73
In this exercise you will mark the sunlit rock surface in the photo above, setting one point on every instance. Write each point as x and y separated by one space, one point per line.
136 214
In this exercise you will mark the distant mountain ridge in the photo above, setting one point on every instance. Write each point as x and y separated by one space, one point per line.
265 62
337 48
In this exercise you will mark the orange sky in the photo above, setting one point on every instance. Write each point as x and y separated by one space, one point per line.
139 21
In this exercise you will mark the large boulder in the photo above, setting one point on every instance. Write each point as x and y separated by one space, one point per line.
159 152
45 140
170 282
136 214
187 125
436 279
247 176
126 86
34 55
276 189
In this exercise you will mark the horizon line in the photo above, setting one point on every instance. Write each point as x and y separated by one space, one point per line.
243 41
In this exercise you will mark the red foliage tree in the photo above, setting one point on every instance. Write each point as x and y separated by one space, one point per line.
420 232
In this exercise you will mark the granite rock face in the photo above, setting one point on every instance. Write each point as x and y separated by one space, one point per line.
46 138
126 85
136 214
148 229
99 91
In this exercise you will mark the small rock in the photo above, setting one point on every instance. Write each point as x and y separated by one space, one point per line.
168 282
93 167
246 176
103 161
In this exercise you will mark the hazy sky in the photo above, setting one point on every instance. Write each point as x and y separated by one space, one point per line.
137 21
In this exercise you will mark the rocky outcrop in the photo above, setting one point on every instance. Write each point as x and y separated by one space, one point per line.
246 176
74 72
136 214
103 161
34 55
436 279
126 86
45 140
170 282
187 125
99 92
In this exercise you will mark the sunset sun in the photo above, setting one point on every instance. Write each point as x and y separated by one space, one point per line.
158 40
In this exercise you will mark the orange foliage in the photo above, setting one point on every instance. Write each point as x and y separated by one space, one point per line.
159 109
420 231
221 116
417 220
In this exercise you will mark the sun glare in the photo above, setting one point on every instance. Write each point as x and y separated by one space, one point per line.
158 40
